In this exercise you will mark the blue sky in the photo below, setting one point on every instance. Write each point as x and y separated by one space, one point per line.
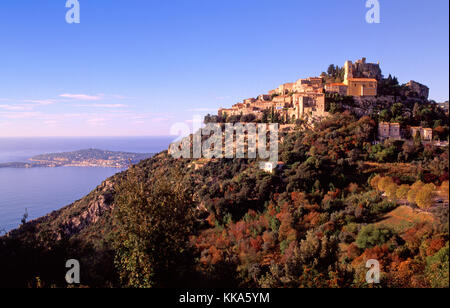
135 67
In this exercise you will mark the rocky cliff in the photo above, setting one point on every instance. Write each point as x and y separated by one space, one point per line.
71 220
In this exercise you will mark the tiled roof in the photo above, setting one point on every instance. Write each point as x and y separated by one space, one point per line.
362 79
336 84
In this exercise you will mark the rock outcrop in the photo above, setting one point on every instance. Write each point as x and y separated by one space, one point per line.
417 89
76 217
90 211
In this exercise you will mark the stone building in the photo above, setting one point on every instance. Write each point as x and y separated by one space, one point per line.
305 98
272 92
264 97
426 134
263 104
361 86
362 69
444 107
388 131
285 88
249 100
308 85
418 89
340 88
283 99
307 106
270 166
361 78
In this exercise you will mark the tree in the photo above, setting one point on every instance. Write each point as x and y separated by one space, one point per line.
417 139
416 111
318 252
153 222
24 217
385 115
397 110
389 86
248 118
374 181
384 183
265 116
331 70
437 268
425 196
444 189
391 191
371 236
210 119
402 191
413 191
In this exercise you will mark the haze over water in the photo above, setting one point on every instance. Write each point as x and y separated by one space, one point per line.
43 190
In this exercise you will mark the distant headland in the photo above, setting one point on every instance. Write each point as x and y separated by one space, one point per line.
81 158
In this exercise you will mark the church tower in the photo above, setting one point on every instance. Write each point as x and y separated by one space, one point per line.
348 71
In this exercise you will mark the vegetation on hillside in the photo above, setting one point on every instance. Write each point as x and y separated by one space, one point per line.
334 74
314 223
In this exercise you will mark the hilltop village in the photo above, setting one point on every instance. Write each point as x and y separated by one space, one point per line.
361 173
360 86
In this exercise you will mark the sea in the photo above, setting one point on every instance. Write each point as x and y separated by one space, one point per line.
39 191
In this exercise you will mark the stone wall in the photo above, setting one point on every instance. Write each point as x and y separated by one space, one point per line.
418 89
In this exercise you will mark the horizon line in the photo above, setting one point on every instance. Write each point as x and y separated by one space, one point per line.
118 136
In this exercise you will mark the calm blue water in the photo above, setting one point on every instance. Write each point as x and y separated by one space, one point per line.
42 190
20 149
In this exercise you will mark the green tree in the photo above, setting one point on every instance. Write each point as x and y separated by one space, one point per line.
371 236
331 70
437 269
153 223
417 139
416 111
397 110
265 116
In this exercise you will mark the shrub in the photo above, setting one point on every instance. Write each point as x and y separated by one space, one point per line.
402 191
384 183
437 269
444 189
371 236
391 191
374 181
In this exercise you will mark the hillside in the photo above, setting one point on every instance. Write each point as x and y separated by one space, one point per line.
227 223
